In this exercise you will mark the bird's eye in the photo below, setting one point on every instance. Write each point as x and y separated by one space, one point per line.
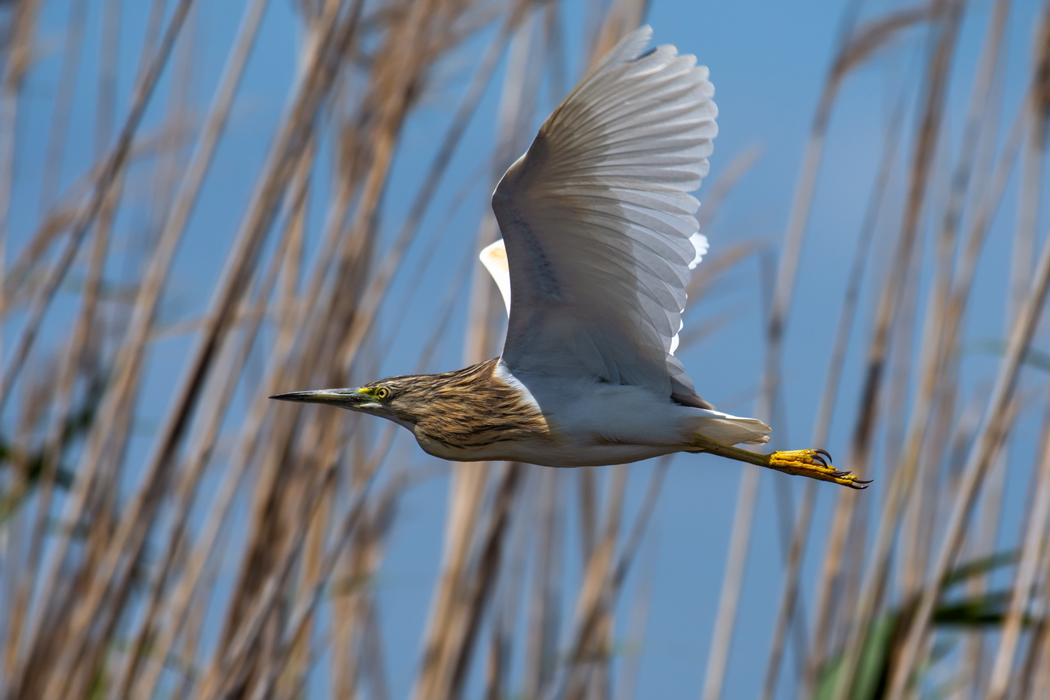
382 393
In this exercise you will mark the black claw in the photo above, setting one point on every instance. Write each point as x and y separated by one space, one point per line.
825 454
859 484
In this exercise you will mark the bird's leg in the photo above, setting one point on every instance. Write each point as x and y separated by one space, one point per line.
812 463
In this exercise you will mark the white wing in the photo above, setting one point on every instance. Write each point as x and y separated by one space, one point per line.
494 258
599 226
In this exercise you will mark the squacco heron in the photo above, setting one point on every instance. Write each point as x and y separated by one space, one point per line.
599 238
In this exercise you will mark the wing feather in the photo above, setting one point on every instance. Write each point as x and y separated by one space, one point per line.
599 225
494 258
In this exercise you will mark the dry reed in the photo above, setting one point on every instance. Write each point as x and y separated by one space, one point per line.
241 552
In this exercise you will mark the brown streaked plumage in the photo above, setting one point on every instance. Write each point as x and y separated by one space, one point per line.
466 409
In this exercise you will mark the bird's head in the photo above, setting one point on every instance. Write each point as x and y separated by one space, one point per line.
461 408
399 399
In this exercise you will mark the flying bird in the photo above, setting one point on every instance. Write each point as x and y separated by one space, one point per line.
599 240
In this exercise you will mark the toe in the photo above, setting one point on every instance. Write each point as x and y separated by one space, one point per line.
816 464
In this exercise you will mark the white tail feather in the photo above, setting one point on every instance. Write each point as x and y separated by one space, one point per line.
732 430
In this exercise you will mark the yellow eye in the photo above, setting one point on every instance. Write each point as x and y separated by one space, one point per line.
382 393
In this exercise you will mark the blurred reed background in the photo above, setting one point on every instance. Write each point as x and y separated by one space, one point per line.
165 531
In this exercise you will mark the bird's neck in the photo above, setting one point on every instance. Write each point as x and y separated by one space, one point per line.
473 407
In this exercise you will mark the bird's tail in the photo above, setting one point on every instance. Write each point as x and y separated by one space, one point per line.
732 430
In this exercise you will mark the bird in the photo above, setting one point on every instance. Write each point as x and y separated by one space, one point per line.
599 238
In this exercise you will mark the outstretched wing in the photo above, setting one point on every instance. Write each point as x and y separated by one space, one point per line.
598 223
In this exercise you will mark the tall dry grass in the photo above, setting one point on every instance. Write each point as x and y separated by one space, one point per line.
112 564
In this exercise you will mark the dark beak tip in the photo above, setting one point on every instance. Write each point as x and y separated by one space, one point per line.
326 397
298 396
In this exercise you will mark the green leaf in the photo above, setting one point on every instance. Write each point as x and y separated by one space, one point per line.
882 637
871 676
32 465
1032 357
980 567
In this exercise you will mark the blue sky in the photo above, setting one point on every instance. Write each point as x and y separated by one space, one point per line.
767 61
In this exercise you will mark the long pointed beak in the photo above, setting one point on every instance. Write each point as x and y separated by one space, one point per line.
344 398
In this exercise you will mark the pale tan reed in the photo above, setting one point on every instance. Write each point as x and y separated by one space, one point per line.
123 598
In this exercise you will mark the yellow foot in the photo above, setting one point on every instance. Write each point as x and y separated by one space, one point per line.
816 464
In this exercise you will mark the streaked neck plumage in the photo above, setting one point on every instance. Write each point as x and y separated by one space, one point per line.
455 413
